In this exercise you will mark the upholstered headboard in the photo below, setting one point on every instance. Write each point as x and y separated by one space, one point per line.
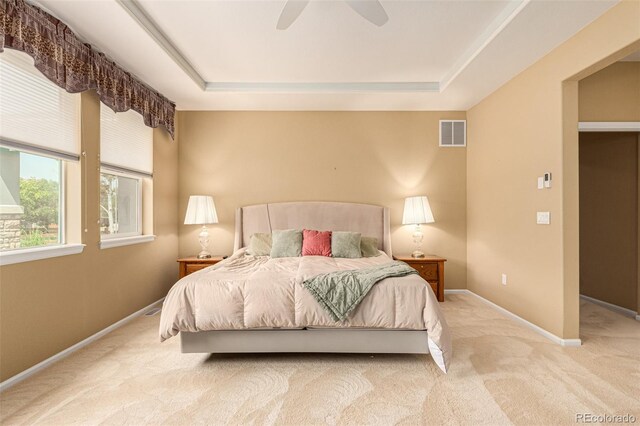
369 220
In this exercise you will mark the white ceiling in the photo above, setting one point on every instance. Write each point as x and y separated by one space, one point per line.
228 55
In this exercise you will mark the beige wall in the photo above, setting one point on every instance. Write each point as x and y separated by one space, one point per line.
609 217
49 305
525 128
244 158
612 94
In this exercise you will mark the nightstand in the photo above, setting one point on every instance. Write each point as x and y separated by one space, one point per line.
189 265
431 268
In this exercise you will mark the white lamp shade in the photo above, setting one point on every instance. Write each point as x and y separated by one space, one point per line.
416 211
201 211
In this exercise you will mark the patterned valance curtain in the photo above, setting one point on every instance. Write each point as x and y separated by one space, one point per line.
76 66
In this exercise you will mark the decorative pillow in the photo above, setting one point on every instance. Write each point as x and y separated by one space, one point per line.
345 244
286 243
316 243
369 247
259 244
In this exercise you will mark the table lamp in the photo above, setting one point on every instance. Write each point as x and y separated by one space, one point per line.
416 212
201 211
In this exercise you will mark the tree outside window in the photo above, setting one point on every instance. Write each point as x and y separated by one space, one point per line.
29 200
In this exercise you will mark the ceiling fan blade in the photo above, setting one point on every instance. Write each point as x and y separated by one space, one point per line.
371 10
290 12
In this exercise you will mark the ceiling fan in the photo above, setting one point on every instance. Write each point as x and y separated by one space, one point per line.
371 10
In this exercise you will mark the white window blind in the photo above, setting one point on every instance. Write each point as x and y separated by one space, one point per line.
35 114
126 143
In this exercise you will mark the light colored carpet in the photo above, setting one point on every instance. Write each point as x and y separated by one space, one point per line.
502 373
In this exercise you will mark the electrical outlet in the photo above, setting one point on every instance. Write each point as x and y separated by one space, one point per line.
504 279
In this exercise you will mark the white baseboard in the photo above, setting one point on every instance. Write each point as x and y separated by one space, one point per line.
619 309
456 291
65 353
528 324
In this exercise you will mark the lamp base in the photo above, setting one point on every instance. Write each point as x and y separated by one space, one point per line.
417 240
203 237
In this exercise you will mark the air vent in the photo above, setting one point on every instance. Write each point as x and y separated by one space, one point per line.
453 132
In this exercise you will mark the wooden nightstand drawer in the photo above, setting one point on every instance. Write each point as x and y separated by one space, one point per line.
189 265
192 267
428 271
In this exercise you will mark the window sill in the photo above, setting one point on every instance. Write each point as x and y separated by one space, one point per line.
126 241
39 253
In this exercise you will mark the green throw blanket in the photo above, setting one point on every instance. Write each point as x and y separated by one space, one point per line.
340 292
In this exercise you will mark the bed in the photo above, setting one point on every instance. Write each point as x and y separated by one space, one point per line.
258 304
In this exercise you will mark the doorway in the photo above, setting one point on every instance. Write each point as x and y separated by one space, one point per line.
608 173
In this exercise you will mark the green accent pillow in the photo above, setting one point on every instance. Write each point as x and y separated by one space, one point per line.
259 244
345 244
286 243
369 247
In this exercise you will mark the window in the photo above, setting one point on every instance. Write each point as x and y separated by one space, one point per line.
30 200
126 157
39 134
120 205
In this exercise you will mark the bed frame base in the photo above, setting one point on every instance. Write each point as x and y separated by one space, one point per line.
307 340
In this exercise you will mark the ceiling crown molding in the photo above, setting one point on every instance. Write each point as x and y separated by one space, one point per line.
488 35
314 87
136 11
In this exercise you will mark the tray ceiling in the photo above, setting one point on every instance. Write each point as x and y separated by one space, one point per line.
228 55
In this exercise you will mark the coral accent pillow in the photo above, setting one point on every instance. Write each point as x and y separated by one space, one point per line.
316 243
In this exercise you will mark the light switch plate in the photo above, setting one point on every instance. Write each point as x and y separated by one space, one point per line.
543 218
540 182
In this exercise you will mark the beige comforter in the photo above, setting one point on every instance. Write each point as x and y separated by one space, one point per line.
245 292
